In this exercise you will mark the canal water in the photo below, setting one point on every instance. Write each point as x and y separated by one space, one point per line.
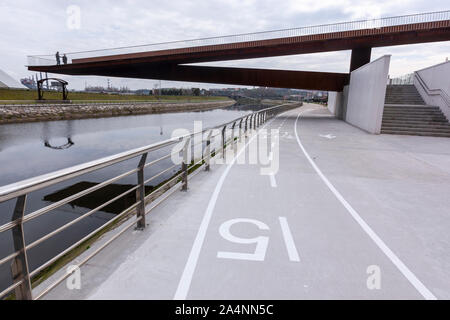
32 149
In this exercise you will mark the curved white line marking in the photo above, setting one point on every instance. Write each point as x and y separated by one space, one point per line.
380 243
191 264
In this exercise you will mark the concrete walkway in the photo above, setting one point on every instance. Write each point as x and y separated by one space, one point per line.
347 213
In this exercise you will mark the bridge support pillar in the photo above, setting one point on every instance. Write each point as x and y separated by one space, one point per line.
360 57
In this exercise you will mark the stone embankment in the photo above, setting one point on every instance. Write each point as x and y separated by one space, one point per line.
36 113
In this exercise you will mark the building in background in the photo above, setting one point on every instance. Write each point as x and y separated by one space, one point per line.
30 83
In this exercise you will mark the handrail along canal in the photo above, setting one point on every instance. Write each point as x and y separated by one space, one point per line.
22 275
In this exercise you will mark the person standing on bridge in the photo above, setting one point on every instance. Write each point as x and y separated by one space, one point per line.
58 59
64 59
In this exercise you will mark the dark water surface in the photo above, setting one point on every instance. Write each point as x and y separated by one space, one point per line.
32 149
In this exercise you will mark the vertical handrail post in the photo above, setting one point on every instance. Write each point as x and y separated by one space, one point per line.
223 141
240 130
232 137
140 193
19 267
185 165
208 152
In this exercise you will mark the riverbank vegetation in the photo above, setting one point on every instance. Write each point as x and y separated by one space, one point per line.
19 96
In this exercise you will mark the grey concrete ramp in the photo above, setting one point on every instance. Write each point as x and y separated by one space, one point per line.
348 215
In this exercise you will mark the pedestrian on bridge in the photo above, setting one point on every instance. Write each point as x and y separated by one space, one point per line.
64 59
58 58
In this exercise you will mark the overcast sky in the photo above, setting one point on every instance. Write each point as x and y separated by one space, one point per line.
41 27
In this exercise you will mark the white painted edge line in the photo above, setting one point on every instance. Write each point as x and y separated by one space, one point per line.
191 264
420 287
273 180
289 240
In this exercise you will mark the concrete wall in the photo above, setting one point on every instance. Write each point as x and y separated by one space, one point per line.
344 102
435 86
367 94
335 103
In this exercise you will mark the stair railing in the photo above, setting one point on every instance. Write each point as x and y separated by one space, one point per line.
432 92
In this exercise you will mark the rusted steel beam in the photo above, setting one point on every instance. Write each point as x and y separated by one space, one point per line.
166 64
235 76
346 43
385 36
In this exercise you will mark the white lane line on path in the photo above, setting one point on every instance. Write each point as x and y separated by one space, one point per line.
191 264
427 294
289 240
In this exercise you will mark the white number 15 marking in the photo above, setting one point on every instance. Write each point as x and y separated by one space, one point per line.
261 242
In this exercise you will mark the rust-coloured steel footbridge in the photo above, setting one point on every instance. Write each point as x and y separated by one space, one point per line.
170 60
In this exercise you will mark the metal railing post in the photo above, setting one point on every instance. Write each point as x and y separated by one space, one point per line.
240 130
208 152
185 165
254 122
251 122
223 141
19 266
232 137
140 194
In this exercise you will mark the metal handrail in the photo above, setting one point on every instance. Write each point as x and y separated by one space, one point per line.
369 24
433 92
20 269
26 186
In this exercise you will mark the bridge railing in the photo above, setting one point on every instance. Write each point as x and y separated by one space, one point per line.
402 80
333 30
213 142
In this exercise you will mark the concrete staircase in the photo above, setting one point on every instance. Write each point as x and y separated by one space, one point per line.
405 113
